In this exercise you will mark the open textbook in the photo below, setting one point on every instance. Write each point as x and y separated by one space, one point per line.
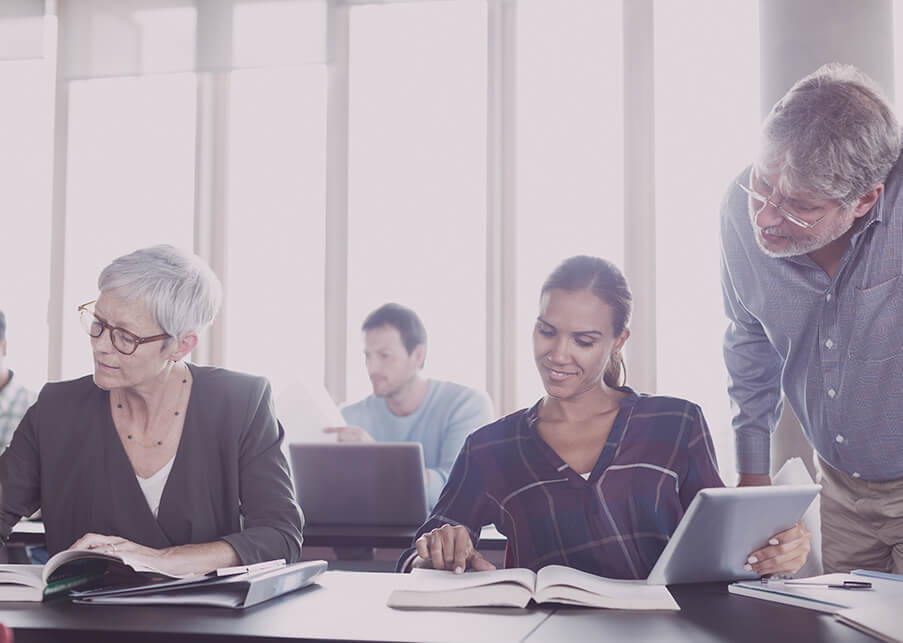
430 588
69 569
94 575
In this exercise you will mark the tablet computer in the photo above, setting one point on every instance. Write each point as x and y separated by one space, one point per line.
364 484
723 526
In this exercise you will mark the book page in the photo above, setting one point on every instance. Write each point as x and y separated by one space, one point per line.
434 580
492 595
30 575
557 583
135 563
653 597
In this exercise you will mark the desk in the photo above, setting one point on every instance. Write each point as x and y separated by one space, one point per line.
708 614
345 606
351 606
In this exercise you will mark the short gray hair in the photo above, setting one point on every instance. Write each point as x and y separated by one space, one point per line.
181 291
833 135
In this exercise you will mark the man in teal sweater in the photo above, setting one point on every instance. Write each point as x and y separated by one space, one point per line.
406 406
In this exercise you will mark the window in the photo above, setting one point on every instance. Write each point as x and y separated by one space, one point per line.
130 183
569 152
25 188
701 145
273 310
417 193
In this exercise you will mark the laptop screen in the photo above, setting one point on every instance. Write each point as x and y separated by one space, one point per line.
369 484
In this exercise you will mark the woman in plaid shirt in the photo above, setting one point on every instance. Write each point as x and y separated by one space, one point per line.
594 476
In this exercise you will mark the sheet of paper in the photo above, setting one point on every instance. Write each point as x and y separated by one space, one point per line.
305 409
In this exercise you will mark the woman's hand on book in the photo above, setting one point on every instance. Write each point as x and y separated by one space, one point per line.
178 560
113 545
786 552
450 547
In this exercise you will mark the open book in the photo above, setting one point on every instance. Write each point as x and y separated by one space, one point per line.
93 575
515 587
69 569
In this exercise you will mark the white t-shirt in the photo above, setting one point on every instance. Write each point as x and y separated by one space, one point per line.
153 487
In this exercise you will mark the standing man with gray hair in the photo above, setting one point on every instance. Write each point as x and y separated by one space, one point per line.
14 398
812 275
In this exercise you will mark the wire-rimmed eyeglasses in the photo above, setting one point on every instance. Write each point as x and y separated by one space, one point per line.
760 202
126 342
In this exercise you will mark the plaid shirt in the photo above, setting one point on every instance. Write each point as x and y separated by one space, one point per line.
615 524
14 401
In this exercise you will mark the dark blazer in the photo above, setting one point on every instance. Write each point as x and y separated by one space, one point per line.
229 481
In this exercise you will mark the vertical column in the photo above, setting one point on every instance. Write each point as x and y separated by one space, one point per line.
639 188
210 195
501 134
796 37
55 312
336 269
213 50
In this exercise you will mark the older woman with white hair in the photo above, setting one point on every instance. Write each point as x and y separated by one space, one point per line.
152 456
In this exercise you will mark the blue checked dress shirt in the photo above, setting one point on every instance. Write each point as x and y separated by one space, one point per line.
832 346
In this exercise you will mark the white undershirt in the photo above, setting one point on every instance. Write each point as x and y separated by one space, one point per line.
586 475
153 487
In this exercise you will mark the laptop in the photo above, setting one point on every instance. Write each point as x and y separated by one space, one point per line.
723 526
371 484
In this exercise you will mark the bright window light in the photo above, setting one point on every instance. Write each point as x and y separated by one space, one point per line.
273 309
707 117
25 188
417 196
570 180
130 183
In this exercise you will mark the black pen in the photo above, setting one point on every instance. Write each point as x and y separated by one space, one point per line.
847 584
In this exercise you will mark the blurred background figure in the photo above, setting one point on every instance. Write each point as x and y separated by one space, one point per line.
14 398
405 405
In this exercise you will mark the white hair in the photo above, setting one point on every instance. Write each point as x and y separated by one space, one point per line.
180 290
833 135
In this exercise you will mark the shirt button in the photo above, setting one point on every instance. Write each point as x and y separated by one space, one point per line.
831 393
828 297
838 439
829 344
856 474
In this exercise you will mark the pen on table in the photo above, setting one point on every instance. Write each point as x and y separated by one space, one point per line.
847 584
250 569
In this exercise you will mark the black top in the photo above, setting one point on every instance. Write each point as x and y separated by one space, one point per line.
229 480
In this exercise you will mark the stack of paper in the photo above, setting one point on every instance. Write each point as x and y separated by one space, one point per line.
882 621
820 592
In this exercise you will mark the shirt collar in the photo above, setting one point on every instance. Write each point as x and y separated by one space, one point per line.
630 399
7 392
